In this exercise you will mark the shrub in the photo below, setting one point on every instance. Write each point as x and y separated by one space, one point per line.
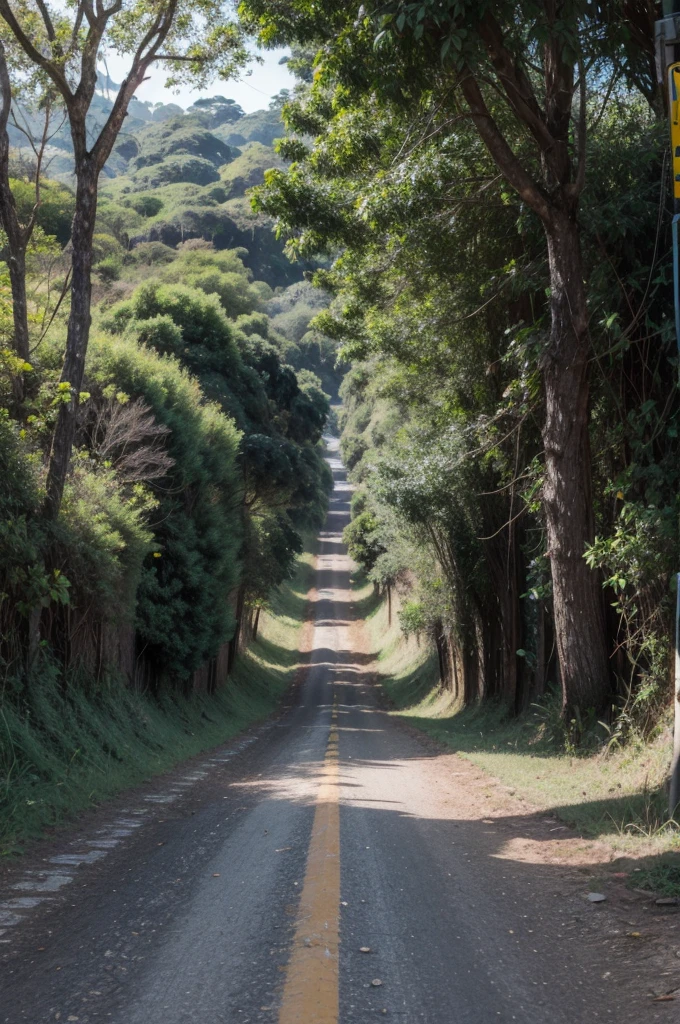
110 269
148 206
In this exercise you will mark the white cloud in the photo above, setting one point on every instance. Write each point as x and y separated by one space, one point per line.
252 92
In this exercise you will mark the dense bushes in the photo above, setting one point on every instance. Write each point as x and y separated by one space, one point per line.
195 469
183 614
177 136
179 167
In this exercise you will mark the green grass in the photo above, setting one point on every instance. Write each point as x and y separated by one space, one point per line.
662 878
618 795
76 748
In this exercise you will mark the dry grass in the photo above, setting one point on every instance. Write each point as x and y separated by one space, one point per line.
618 796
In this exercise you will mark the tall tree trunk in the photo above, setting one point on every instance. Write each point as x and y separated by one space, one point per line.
235 642
16 263
17 238
15 258
577 594
440 643
77 336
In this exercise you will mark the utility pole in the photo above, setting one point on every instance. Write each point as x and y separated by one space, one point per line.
668 72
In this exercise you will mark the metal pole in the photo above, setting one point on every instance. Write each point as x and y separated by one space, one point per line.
674 796
667 33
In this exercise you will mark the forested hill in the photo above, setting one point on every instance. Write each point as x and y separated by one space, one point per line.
196 469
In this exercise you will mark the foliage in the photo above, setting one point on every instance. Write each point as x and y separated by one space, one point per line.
248 168
67 748
55 212
179 136
439 278
183 615
193 169
196 468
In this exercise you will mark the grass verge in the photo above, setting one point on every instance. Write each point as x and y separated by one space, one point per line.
76 748
616 796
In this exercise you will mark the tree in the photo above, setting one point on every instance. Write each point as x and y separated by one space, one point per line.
217 110
520 73
18 230
60 49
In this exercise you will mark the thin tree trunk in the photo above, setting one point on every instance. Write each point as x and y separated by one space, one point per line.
256 622
236 639
455 681
16 263
17 238
76 339
540 671
440 643
577 594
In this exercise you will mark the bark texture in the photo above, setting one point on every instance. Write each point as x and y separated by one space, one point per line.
77 337
17 235
16 263
577 597
577 593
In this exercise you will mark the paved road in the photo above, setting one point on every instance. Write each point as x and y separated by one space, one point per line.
251 897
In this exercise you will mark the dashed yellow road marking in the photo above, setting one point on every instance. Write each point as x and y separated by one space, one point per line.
311 989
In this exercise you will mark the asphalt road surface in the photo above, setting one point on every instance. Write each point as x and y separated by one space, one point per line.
319 871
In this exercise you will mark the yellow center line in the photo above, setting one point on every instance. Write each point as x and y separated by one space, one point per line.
311 989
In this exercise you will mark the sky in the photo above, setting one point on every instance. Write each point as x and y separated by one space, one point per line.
252 92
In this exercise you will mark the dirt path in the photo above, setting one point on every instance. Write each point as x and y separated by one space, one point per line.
332 866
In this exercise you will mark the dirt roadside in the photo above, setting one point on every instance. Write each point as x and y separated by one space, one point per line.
636 939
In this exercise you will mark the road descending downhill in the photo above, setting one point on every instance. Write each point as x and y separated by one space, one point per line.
329 869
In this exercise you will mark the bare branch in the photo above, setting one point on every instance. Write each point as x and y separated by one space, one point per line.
580 180
47 21
62 295
78 21
48 66
506 160
147 52
518 88
607 96
129 438
40 154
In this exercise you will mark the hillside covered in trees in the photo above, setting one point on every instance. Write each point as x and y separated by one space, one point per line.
450 224
196 472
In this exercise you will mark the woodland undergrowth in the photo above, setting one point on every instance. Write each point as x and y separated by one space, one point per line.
65 749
